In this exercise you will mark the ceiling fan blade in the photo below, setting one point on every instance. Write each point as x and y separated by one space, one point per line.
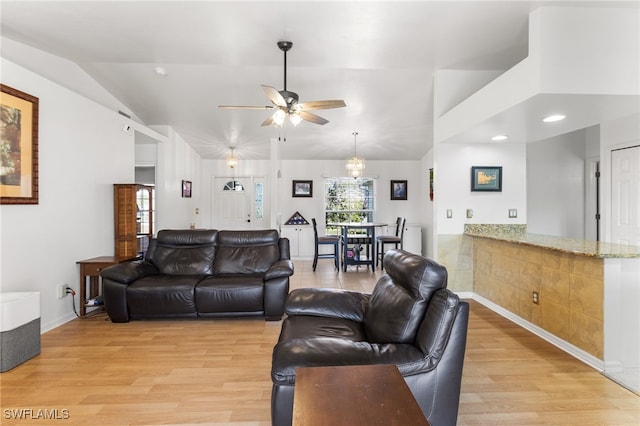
307 116
274 96
268 121
311 105
246 107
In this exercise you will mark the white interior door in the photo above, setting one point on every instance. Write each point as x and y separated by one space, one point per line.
625 196
239 203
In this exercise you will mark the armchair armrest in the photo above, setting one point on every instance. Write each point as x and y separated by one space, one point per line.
128 272
282 268
325 302
291 354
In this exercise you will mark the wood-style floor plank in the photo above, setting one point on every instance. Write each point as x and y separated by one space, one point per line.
217 372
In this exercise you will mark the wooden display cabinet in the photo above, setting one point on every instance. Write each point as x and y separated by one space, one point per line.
133 213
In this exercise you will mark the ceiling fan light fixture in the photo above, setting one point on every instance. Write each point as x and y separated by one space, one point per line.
355 165
278 118
295 119
232 161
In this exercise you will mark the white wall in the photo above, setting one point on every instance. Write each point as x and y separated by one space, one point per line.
82 152
428 211
453 185
177 161
556 185
383 171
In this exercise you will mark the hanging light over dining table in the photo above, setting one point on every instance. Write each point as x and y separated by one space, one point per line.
355 165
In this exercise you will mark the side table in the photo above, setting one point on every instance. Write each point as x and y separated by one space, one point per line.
90 275
354 395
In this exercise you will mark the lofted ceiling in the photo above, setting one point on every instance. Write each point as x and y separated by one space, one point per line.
379 57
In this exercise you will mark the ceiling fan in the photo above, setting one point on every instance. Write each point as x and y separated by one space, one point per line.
286 103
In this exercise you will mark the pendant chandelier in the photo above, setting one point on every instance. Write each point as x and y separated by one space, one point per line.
355 165
232 161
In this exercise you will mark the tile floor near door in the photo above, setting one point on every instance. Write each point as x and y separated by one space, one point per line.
217 372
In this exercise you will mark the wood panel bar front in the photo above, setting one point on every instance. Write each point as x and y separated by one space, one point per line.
354 395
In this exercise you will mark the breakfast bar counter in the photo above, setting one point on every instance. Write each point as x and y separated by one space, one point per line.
581 295
517 234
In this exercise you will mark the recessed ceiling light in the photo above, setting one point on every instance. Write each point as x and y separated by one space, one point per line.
160 71
553 118
500 138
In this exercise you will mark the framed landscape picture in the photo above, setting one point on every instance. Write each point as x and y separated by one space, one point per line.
486 178
18 147
302 188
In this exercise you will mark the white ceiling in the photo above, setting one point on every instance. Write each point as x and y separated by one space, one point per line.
379 57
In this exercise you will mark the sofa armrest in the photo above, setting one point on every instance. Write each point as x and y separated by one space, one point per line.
128 272
282 268
322 352
326 302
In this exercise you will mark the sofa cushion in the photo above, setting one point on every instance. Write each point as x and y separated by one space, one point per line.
162 295
230 293
246 252
400 298
183 252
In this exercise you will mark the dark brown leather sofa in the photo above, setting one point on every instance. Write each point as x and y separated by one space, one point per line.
202 273
410 320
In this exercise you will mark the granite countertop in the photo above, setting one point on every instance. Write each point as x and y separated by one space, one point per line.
517 234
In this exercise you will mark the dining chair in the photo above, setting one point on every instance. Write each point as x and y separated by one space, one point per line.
395 240
326 240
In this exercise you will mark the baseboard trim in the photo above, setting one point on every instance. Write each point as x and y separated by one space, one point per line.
567 347
57 322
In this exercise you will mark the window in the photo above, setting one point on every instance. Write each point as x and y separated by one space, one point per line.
233 185
259 200
348 200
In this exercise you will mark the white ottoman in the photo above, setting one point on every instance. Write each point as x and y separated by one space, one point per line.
19 328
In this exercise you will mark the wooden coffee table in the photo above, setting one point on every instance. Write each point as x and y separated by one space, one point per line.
354 395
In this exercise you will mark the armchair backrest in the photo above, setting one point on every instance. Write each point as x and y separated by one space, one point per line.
246 252
178 252
400 298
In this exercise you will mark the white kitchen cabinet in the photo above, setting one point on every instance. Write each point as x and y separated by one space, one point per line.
300 240
412 241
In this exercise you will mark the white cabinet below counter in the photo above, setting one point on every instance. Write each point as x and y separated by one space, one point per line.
300 240
412 240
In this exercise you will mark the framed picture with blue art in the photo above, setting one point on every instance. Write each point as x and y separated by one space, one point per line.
486 178
398 189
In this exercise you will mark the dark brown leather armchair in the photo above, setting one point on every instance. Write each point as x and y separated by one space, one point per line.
410 320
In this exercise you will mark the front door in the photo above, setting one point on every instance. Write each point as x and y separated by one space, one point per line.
239 203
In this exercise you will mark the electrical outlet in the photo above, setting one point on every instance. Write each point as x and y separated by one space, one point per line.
536 297
469 213
62 291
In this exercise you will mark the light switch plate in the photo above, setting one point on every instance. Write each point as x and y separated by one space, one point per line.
449 213
513 213
469 213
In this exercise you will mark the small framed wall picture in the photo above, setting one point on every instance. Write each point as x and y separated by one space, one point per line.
398 189
486 178
302 188
186 189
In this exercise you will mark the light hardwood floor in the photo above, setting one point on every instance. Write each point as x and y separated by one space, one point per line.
217 372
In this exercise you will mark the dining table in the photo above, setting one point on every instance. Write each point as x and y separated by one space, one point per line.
351 255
